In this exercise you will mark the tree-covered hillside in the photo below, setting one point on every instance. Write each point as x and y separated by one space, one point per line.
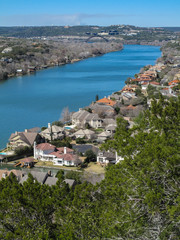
138 199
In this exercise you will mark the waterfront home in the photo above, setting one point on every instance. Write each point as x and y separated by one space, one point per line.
42 151
88 134
31 69
128 89
102 110
83 117
48 152
53 132
107 101
22 139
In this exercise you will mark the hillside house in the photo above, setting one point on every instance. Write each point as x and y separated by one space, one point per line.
59 156
53 132
103 110
107 157
83 117
22 139
103 136
107 101
88 134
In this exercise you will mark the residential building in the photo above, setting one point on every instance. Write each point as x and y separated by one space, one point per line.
103 136
53 132
22 139
48 152
88 134
107 157
107 101
83 117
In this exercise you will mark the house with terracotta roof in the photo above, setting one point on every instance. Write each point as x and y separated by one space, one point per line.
66 159
102 109
59 156
174 83
107 101
155 84
128 89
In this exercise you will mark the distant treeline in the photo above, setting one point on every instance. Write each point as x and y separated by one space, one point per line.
173 29
25 32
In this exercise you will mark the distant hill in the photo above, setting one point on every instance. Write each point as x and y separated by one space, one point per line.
49 31
173 29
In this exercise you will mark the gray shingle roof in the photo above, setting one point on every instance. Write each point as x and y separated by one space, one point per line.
51 181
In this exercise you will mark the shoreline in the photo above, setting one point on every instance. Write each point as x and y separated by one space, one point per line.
88 58
44 61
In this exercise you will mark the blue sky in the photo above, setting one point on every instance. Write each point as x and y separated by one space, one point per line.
82 12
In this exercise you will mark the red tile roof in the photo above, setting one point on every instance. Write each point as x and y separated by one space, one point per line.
27 160
45 146
68 150
131 107
67 157
155 83
107 101
174 81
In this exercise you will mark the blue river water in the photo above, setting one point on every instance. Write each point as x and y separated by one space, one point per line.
35 100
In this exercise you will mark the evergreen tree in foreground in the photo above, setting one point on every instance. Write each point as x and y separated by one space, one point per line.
138 199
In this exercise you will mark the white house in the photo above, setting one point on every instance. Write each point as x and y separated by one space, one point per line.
48 152
106 157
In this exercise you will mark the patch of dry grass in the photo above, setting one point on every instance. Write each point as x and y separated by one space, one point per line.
93 167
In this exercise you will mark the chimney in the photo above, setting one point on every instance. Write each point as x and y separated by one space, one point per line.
65 151
49 125
26 130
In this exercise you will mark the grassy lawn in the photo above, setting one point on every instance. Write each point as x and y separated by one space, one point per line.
50 164
94 167
99 130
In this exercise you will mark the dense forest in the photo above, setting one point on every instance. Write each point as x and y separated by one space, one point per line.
138 199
